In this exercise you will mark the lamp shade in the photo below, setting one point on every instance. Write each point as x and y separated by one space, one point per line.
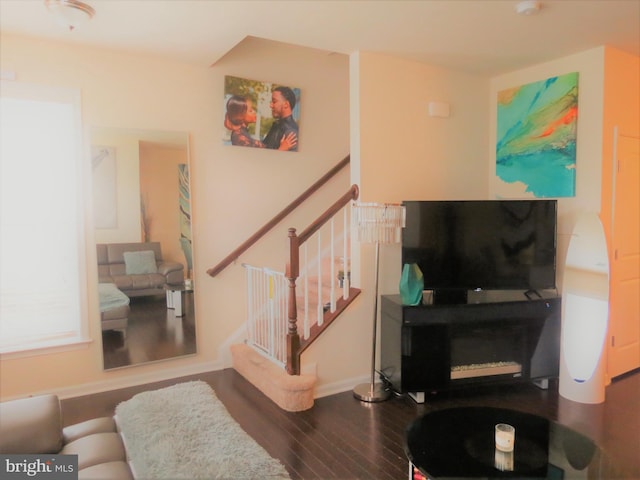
378 222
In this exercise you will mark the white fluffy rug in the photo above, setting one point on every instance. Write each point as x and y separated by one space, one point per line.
185 432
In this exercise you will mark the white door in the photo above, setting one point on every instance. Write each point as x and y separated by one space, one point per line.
624 320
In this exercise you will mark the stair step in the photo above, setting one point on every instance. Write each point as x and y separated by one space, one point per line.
293 393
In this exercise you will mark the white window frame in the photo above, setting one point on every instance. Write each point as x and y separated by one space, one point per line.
81 338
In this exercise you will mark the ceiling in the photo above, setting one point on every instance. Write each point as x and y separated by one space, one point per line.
477 36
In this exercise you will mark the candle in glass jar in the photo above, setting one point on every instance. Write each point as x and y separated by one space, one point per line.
505 437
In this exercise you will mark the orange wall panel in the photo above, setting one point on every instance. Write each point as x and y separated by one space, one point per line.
621 110
159 191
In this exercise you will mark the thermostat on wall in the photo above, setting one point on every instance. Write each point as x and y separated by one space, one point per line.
438 109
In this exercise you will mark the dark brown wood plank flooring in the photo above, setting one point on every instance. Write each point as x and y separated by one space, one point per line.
342 438
153 333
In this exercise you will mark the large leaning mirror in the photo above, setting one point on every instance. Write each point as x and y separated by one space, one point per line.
142 221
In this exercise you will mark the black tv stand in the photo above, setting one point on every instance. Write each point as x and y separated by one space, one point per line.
494 337
530 293
449 297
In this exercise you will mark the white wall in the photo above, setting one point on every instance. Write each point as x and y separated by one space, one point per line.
244 188
127 157
590 66
234 190
407 155
400 153
404 153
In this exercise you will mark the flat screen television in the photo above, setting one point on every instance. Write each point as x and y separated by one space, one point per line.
481 244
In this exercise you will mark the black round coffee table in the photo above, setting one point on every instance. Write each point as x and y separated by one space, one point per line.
460 443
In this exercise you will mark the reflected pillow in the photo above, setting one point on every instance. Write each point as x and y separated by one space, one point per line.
140 263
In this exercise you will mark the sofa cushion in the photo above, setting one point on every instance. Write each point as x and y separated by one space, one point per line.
31 425
95 449
112 269
106 471
89 427
140 263
115 251
139 282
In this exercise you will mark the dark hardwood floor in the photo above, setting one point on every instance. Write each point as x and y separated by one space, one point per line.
342 438
153 333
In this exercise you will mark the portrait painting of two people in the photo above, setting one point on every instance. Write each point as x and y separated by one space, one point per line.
261 115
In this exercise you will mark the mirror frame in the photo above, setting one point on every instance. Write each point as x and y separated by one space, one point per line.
132 210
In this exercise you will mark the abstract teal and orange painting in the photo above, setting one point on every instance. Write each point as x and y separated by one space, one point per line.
536 138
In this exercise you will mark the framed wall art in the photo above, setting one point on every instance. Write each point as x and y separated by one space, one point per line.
536 137
261 115
105 194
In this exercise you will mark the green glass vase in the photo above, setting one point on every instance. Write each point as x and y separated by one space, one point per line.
411 284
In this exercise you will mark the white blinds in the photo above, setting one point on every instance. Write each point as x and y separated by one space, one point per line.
40 217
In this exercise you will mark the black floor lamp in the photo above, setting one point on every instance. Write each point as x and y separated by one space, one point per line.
377 223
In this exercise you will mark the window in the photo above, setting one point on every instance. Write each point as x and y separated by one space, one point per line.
42 264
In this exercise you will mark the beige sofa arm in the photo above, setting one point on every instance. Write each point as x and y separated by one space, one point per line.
165 268
88 427
31 425
173 272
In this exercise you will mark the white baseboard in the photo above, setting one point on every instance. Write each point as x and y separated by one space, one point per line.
135 380
168 374
340 387
224 361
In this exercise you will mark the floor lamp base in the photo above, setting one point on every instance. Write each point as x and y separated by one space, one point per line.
365 392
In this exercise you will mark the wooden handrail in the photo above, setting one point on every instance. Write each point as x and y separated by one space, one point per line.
233 256
352 194
294 345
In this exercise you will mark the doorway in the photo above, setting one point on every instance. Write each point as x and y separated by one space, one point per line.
624 313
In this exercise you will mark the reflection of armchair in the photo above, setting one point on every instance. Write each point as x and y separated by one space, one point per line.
114 308
185 243
112 268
